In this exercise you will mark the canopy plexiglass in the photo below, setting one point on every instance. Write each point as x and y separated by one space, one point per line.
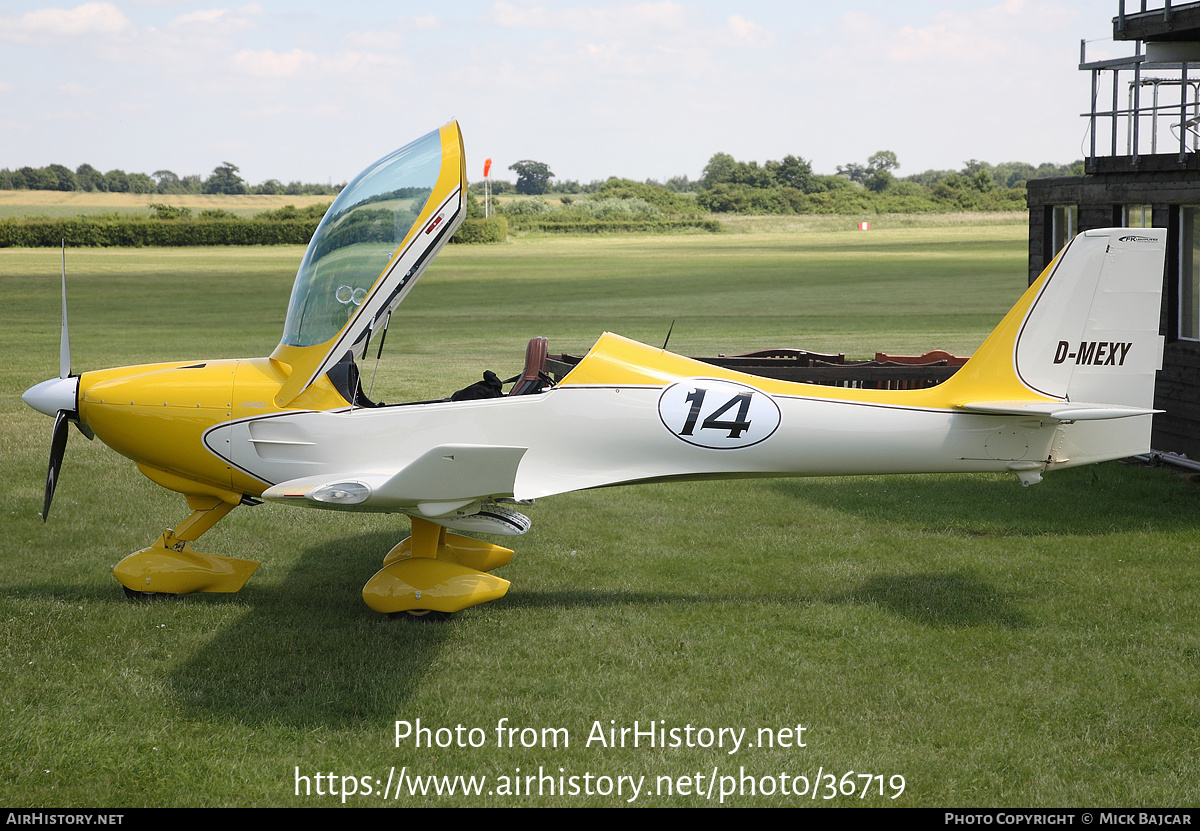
375 241
357 239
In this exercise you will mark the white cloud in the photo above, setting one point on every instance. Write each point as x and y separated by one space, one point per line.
204 16
376 40
67 116
53 24
267 62
601 20
388 39
359 66
983 35
219 20
748 33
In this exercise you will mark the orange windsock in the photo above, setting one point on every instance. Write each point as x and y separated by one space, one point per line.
487 167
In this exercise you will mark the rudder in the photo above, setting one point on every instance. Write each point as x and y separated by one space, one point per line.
1091 334
1080 349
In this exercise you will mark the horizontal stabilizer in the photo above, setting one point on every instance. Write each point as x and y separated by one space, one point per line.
1056 410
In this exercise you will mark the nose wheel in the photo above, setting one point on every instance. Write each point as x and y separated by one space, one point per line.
143 596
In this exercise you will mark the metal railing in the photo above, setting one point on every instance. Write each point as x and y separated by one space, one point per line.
1173 126
1145 7
1174 123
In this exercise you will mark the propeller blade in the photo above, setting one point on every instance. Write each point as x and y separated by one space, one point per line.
58 443
64 344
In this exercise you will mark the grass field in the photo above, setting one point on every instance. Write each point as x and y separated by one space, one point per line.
992 645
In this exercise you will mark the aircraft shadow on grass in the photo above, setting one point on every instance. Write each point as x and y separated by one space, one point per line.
297 658
1090 502
956 599
294 658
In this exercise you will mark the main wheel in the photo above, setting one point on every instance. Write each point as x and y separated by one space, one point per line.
137 595
421 616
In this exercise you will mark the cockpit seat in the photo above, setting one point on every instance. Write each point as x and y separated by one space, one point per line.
533 378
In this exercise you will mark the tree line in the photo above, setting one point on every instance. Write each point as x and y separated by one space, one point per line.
726 185
790 185
225 178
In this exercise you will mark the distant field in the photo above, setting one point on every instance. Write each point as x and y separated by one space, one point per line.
878 222
21 203
991 644
16 203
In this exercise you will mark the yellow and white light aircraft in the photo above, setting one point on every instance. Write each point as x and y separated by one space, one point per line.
1066 379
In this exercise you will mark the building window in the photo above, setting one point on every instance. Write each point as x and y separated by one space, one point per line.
1137 216
1065 225
1189 272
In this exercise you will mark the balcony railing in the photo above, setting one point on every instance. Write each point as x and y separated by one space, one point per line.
1154 93
1143 6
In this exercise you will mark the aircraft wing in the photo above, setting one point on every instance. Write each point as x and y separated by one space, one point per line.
1056 410
439 482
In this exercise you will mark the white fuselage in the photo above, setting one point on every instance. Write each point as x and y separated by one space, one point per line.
578 437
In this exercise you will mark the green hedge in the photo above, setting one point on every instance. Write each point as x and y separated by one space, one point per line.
379 225
556 225
139 231
494 229
135 231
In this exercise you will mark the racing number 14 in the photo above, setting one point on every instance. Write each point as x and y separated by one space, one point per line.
735 428
717 414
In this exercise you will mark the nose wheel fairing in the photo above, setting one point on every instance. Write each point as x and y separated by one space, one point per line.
172 566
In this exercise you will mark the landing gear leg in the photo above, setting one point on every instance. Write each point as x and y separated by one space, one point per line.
172 566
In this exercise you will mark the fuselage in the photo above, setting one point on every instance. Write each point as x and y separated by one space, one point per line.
214 427
628 412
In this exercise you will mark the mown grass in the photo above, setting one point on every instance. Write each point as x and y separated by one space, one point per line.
996 646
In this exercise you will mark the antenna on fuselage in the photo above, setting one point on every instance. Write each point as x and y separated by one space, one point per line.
668 338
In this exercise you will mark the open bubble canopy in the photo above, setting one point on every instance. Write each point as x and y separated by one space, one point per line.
357 239
373 244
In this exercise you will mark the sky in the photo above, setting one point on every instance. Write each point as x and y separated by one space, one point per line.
316 90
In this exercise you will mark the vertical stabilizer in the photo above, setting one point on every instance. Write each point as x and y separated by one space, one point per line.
1086 331
1092 333
1081 348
